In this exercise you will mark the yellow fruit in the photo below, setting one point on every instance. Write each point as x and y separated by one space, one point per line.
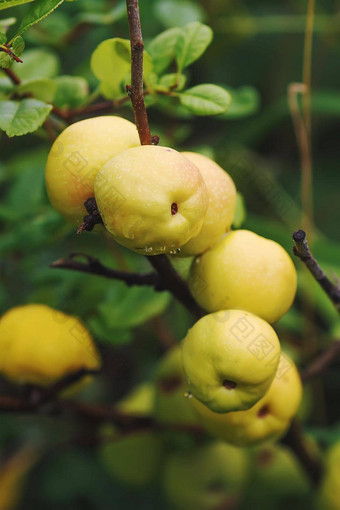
76 157
246 271
152 199
267 420
207 477
230 359
221 208
171 405
39 345
140 401
134 459
328 495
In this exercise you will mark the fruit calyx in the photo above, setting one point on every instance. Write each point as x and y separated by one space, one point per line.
93 218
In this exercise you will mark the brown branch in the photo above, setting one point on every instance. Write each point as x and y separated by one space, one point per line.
12 76
135 90
320 365
94 266
301 250
92 413
175 284
295 441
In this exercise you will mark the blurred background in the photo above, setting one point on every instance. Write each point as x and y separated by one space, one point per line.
257 51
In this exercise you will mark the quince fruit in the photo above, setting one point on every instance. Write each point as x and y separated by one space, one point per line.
268 419
230 359
78 154
221 208
151 199
171 405
39 345
206 477
246 271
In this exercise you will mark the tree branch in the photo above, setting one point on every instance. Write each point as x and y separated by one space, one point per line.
135 90
94 266
301 250
175 284
12 76
320 365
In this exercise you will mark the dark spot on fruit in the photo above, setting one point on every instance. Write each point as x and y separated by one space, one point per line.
174 208
215 486
229 385
265 457
263 411
170 384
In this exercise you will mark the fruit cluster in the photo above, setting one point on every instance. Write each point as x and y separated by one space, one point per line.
155 200
239 386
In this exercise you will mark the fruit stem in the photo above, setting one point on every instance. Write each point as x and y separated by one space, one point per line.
135 90
302 250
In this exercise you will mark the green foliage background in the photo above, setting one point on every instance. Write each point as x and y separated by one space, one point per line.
255 53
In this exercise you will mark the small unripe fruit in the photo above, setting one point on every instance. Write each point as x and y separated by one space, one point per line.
40 345
268 419
245 271
230 359
207 477
171 404
151 199
221 208
77 155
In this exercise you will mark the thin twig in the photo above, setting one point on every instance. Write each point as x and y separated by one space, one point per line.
94 266
12 76
301 250
321 364
175 284
135 90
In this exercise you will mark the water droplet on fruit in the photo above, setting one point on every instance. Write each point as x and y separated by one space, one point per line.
149 250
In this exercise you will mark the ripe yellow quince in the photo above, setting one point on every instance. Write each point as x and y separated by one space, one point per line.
246 271
267 420
207 477
221 208
230 359
151 199
77 155
39 345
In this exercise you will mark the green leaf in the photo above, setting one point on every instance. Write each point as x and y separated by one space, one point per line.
22 117
244 101
192 43
168 81
5 60
206 99
177 13
38 63
38 11
18 46
95 18
162 49
70 91
240 211
5 4
111 64
3 38
128 307
43 89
